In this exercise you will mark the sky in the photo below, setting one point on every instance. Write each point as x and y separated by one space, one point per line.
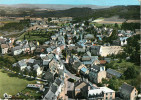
73 2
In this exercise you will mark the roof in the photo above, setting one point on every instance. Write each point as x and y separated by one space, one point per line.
31 60
49 96
89 36
102 61
80 85
86 58
53 88
36 66
2 40
49 49
22 62
17 48
113 72
58 81
76 65
49 76
100 90
84 69
126 87
4 46
107 59
37 62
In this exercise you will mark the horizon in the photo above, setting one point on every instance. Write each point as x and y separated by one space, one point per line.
72 2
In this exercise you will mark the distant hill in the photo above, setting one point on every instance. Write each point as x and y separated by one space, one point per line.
125 12
53 6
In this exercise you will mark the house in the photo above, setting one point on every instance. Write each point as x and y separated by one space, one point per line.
4 48
10 45
77 66
97 73
53 37
38 69
2 41
49 50
48 76
101 93
123 41
95 50
30 61
81 89
54 66
89 60
102 62
26 48
111 73
89 36
47 59
32 47
17 50
84 71
108 60
128 92
22 64
54 90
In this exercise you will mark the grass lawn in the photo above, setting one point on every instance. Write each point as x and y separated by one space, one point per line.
11 84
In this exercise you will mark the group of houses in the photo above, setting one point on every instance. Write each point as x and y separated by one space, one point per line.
81 55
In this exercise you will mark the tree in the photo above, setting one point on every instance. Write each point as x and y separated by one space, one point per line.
34 73
49 19
26 71
104 81
116 25
131 72
17 69
86 23
24 37
114 84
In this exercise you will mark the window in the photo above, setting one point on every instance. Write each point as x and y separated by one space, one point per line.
110 98
110 93
106 93
106 98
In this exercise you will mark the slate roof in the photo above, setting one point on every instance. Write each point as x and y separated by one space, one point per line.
114 72
87 58
22 62
36 66
58 81
49 96
97 68
17 48
48 76
53 88
76 65
37 62
31 61
126 87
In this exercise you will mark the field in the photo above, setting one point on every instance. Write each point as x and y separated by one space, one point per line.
110 20
40 36
11 84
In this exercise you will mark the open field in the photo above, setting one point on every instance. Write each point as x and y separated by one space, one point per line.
11 84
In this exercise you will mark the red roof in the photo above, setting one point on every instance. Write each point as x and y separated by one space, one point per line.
102 61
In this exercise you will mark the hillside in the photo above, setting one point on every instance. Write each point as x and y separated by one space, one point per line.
125 12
